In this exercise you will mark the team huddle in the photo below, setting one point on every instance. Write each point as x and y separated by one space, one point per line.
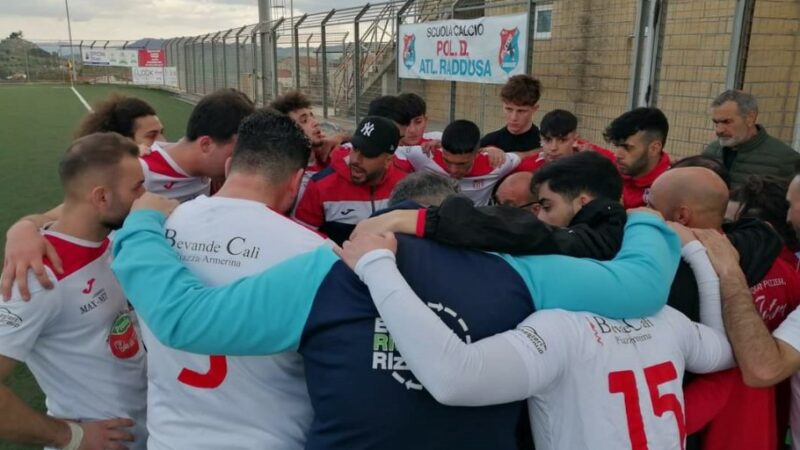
260 284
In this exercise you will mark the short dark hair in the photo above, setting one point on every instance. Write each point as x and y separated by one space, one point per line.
290 101
522 90
558 123
708 162
587 172
764 197
424 188
117 113
650 120
218 115
270 143
416 104
392 108
101 152
461 136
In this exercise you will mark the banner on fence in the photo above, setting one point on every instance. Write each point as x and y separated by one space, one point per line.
110 57
151 58
486 50
160 76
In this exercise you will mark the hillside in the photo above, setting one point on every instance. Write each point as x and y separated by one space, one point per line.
19 57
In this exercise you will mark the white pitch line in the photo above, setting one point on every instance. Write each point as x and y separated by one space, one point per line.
83 100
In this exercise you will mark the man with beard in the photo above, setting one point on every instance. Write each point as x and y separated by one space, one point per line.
354 187
742 144
79 338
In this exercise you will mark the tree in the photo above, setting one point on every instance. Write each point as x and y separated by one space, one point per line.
15 35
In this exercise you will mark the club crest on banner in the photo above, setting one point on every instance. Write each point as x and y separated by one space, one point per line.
508 57
409 50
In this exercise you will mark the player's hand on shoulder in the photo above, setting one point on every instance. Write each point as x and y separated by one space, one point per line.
152 201
429 146
683 232
496 156
106 434
25 250
355 249
723 255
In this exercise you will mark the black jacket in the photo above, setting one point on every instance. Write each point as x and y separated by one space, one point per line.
595 232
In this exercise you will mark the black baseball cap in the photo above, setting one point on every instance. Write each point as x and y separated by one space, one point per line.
376 135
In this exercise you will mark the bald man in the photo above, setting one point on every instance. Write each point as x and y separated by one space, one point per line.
515 190
730 414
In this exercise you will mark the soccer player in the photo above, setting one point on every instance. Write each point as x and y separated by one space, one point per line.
181 171
520 96
560 138
416 131
354 187
639 137
79 339
129 116
586 376
237 402
460 159
362 392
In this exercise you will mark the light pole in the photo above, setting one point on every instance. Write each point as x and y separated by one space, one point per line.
71 49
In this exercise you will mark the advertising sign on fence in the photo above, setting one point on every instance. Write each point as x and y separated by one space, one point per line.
485 50
151 58
110 57
161 76
148 75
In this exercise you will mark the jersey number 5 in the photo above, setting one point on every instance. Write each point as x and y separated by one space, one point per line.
624 382
217 371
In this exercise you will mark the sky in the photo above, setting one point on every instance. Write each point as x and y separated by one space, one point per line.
135 19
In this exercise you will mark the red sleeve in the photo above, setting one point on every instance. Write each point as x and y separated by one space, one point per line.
530 164
403 165
706 396
310 210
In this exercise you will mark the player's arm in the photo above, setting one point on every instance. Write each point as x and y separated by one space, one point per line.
457 221
249 317
636 283
763 359
706 396
707 283
507 367
25 250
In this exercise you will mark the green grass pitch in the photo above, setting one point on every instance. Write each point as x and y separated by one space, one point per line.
36 126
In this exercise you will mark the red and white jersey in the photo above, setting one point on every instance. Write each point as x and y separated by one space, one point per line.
163 176
598 383
80 339
478 184
216 402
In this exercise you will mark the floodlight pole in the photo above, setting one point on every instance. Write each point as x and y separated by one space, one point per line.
71 50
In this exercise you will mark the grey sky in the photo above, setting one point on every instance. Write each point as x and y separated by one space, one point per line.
126 19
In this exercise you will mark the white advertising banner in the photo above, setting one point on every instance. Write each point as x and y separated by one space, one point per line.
171 76
110 57
485 50
148 75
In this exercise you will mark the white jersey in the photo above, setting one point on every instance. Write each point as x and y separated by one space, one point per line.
202 402
789 332
80 339
478 184
602 383
163 176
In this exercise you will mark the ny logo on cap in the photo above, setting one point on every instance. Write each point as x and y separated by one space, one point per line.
367 129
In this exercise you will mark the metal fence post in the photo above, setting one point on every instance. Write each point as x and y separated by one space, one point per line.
325 64
213 62
265 85
254 42
273 37
357 61
203 61
238 60
296 44
225 58
397 42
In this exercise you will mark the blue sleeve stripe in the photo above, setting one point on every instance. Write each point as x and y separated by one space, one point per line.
185 314
634 284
